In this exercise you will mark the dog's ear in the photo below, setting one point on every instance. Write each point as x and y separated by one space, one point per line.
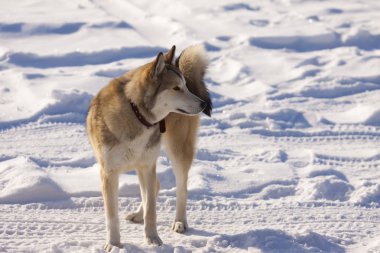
177 61
208 108
159 65
169 56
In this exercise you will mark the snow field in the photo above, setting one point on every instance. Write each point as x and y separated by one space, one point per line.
289 162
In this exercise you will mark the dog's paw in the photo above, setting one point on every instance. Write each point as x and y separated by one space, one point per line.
179 226
109 246
153 240
136 217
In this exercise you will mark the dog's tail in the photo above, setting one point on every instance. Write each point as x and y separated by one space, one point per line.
193 64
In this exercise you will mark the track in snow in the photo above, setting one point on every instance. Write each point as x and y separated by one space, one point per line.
24 227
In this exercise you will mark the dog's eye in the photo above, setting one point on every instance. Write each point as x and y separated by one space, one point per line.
176 88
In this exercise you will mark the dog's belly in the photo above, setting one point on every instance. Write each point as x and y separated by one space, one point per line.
129 155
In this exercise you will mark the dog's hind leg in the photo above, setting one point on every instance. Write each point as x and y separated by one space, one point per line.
180 140
110 186
138 215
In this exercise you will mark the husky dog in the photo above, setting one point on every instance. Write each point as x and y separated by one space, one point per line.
127 120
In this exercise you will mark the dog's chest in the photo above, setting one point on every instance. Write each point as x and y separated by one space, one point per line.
133 154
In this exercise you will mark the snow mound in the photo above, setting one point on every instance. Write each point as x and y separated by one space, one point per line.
67 106
328 172
362 39
240 6
273 156
366 194
364 114
22 181
38 29
281 119
277 191
324 186
298 43
27 29
269 240
373 119
333 87
70 106
81 58
129 190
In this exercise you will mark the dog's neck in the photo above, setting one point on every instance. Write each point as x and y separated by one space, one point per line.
146 123
143 114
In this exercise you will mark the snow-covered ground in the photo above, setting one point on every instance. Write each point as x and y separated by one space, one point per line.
289 162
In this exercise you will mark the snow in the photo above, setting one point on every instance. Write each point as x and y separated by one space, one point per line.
23 181
289 161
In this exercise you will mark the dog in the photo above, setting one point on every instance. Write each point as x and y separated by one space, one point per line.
130 117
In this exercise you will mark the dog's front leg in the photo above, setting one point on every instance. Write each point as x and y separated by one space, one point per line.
110 187
148 182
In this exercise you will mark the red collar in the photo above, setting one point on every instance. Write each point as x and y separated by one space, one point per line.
143 121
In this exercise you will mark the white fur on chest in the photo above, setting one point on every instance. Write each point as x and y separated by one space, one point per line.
132 154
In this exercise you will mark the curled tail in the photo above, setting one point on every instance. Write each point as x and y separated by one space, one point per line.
193 64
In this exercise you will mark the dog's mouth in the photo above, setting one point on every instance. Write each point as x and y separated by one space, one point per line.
183 111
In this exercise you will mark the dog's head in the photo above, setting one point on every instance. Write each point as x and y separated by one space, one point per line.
167 91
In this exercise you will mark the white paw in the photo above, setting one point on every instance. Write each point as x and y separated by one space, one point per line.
108 246
179 226
155 240
136 217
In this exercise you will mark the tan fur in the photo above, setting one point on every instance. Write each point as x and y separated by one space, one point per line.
193 65
182 130
121 143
